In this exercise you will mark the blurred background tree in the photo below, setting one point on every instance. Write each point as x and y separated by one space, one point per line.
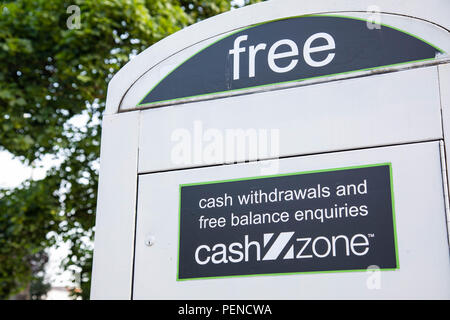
53 82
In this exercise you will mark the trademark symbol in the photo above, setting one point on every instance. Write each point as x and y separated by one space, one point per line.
371 235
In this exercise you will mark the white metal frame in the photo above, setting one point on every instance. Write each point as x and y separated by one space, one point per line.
116 208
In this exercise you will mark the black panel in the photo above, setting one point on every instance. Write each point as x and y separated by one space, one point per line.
357 47
363 215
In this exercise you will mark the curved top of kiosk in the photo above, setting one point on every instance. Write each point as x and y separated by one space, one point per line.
143 82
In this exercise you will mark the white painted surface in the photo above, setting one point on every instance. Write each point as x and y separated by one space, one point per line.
379 110
116 207
394 108
444 82
420 218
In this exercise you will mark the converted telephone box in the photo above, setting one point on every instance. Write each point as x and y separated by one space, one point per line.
283 150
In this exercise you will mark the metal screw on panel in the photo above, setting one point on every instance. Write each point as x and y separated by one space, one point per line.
149 241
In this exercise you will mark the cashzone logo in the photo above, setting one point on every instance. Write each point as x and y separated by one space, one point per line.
288 50
308 248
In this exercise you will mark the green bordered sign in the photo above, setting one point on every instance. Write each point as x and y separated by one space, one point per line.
289 50
332 220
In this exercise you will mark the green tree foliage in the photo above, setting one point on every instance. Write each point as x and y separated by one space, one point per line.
39 286
27 215
50 74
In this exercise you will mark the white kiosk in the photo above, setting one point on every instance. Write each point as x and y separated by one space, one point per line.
284 150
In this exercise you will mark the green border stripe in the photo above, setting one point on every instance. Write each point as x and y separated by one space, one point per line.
397 260
287 174
284 175
283 82
285 274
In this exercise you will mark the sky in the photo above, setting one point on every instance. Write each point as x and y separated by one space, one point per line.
12 173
